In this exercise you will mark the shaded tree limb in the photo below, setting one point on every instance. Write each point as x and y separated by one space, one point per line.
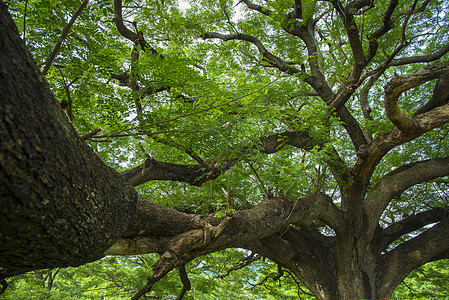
440 96
64 34
196 232
129 34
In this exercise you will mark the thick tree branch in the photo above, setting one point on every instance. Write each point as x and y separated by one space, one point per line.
129 34
304 247
386 26
198 174
440 96
400 84
408 225
186 285
190 232
413 253
118 20
353 32
394 183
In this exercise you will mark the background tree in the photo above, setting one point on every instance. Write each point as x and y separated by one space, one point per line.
254 125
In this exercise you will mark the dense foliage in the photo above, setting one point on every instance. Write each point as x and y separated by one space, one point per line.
196 90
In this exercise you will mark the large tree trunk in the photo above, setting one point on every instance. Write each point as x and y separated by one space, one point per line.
60 205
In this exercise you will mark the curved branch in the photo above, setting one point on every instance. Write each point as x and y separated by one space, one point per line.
352 127
400 84
261 9
352 31
394 183
408 225
276 61
428 246
440 96
118 20
370 155
421 59
186 285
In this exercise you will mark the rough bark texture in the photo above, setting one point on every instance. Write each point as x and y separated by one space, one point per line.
60 205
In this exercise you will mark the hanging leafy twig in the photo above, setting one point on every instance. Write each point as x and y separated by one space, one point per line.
252 258
64 34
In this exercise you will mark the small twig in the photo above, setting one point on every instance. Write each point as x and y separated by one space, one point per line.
407 18
179 146
64 34
73 81
264 188
298 284
229 21
69 99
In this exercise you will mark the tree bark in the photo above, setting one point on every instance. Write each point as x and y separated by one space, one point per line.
60 205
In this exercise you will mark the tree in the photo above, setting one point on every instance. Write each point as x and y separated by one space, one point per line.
255 125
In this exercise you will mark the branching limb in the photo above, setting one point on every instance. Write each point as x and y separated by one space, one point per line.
160 229
129 34
196 175
118 20
400 84
89 135
275 276
421 59
386 26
